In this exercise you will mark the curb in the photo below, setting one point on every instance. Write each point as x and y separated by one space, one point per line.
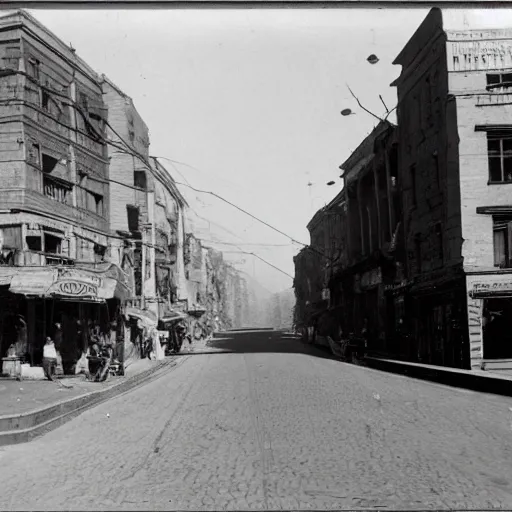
483 383
22 428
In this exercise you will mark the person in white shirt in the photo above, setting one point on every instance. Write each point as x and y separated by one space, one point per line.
49 359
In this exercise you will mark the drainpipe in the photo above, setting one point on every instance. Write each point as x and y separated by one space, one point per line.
143 272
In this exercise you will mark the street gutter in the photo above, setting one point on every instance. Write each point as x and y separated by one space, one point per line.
476 380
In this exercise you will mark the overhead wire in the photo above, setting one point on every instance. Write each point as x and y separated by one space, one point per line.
130 150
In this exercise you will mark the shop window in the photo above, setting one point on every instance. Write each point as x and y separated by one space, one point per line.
499 152
499 81
52 244
497 335
502 234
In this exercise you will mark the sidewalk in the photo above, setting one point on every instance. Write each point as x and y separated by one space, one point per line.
31 408
19 397
476 380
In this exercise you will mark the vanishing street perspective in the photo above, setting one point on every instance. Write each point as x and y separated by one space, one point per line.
332 330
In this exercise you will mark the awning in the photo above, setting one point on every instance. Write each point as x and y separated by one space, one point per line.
68 282
148 318
172 317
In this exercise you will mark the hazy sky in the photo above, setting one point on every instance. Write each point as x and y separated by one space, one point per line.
251 99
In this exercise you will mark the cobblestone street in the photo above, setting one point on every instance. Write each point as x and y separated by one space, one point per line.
271 430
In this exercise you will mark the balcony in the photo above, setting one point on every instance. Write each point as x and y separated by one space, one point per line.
35 259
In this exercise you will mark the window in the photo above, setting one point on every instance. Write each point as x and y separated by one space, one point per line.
34 243
56 189
502 227
438 232
435 158
97 204
414 197
49 163
52 244
45 99
35 154
99 252
499 151
133 218
140 180
428 91
499 80
417 253
33 66
83 102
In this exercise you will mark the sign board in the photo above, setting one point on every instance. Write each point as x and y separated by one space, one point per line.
32 282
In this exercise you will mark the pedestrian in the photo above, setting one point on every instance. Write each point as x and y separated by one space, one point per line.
49 359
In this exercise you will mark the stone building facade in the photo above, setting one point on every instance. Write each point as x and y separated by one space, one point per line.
370 264
54 228
455 167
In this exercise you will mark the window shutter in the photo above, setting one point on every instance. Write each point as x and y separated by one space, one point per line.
509 245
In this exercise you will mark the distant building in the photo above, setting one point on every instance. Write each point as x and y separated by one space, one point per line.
454 112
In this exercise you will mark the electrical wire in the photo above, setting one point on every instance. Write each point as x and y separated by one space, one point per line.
249 243
100 138
241 251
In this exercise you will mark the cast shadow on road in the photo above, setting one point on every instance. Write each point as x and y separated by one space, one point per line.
254 343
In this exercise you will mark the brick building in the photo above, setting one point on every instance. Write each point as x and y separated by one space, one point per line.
453 114
55 254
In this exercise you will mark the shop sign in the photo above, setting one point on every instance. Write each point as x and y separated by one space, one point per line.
73 289
493 286
75 283
77 275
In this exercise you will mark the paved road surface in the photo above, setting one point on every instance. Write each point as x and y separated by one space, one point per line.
260 430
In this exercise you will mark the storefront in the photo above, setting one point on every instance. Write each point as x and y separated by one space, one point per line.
489 307
68 304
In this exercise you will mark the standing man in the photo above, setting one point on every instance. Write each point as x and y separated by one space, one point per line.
49 359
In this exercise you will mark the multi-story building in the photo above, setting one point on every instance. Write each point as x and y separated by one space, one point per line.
454 108
315 265
372 225
148 218
54 194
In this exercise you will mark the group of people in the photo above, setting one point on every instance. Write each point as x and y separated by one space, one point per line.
96 356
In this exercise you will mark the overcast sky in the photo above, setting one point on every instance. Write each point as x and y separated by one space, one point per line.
251 99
